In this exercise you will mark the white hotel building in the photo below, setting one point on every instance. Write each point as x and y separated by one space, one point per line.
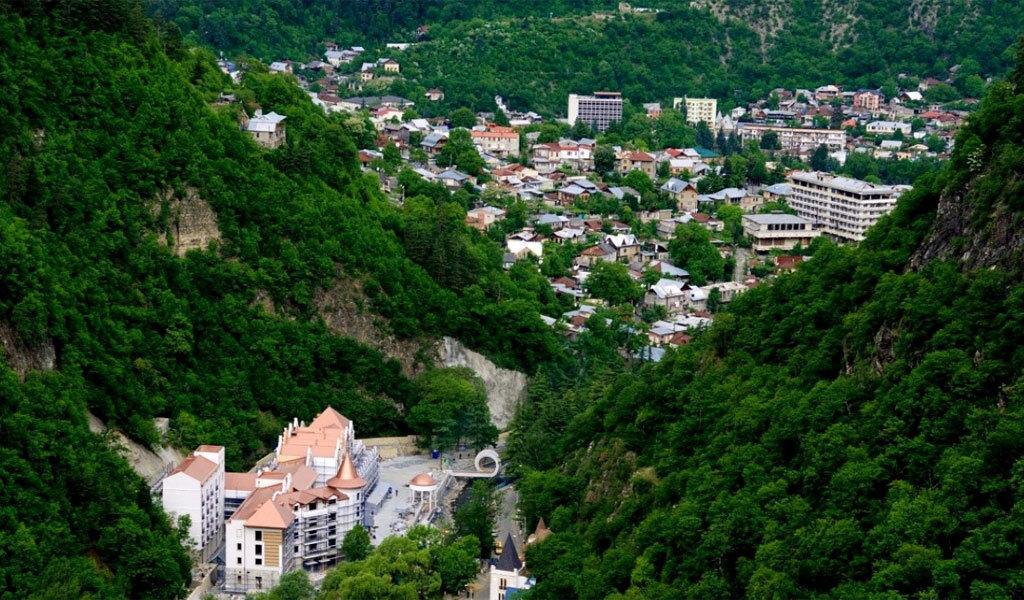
840 207
597 111
195 488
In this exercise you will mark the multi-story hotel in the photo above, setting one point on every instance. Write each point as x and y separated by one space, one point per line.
840 207
597 111
291 514
195 488
796 140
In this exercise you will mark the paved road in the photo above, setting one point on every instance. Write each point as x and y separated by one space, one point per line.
506 523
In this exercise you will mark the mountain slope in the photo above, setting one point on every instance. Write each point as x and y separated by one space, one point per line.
851 431
157 263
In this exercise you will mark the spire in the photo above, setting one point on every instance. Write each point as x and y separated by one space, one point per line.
347 477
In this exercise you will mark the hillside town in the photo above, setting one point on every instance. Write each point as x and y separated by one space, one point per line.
567 192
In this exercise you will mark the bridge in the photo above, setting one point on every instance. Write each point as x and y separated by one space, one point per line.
487 465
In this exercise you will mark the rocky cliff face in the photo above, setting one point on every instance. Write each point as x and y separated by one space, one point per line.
148 464
191 222
505 388
345 311
999 242
23 357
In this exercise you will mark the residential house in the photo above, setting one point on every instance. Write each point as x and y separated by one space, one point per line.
497 140
867 100
778 192
267 129
521 249
281 66
569 234
626 246
391 65
634 160
483 217
434 95
592 255
453 179
555 222
736 197
671 294
683 192
433 143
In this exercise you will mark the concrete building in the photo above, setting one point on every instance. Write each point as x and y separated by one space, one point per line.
195 488
888 127
796 140
699 109
778 231
597 111
635 160
840 207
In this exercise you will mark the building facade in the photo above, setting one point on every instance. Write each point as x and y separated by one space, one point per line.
597 111
497 140
840 207
778 231
195 488
700 109
796 140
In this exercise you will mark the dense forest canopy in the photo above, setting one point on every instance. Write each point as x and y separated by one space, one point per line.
101 161
851 431
534 54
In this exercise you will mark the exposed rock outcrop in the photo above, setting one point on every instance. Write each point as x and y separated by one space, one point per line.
505 387
24 357
998 243
191 222
345 311
148 464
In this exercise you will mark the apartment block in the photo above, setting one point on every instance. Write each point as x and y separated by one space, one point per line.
796 140
841 207
698 109
597 111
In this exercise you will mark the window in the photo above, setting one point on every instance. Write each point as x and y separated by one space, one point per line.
502 584
259 582
259 536
239 546
259 549
239 560
259 561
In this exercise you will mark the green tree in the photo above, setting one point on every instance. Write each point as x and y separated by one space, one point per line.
770 141
611 282
500 118
452 406
462 117
356 544
604 158
691 249
476 517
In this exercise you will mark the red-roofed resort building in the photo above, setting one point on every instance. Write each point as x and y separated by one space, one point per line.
289 515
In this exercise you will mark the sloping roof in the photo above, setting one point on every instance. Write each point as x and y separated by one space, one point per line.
196 467
509 559
271 515
240 481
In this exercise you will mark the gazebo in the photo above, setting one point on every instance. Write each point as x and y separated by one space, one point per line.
424 489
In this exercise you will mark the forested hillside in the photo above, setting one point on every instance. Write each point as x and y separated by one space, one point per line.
853 430
111 157
534 54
